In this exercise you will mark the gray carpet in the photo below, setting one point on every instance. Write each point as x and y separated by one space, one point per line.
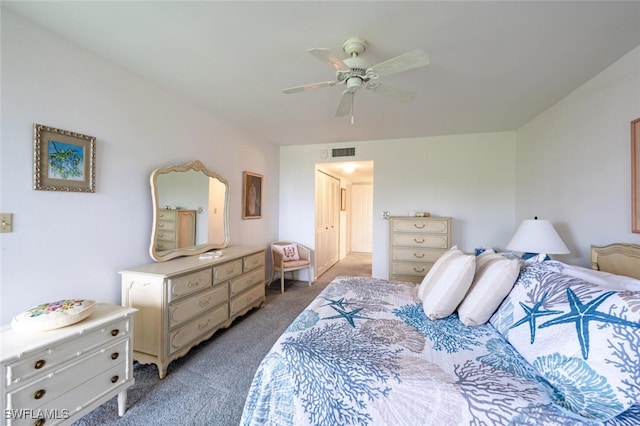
209 385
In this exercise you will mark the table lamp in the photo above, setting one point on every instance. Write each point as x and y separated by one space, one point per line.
535 237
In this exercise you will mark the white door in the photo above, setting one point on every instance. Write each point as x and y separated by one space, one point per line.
362 218
327 222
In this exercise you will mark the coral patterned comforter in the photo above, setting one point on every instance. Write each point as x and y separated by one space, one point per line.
364 353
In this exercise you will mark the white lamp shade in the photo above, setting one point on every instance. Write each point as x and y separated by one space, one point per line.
537 236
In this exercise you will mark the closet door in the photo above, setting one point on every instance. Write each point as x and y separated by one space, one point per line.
327 222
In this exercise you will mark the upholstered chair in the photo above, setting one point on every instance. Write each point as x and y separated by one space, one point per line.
289 256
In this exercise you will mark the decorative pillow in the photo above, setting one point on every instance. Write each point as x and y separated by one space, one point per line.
582 338
52 315
288 252
436 270
493 280
446 287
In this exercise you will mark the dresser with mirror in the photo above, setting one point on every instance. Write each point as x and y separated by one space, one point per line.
191 290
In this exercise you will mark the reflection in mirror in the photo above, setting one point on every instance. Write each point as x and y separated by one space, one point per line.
189 211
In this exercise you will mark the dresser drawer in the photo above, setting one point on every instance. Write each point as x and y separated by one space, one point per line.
227 270
415 254
187 284
168 215
410 268
165 235
47 360
78 398
238 285
71 375
421 225
253 261
184 334
190 307
421 240
244 300
166 226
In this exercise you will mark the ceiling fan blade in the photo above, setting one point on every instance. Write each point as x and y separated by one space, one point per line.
410 60
345 104
392 92
328 57
308 87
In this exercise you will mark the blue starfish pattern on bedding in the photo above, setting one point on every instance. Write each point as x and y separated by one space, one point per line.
350 316
533 313
581 314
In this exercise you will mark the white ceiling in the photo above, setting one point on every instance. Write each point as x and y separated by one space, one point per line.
494 65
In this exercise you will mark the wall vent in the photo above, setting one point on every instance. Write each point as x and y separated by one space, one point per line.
343 152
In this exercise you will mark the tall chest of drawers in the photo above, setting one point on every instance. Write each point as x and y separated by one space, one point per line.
415 243
55 377
184 301
175 229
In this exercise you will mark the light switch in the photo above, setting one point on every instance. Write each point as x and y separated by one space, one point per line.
6 220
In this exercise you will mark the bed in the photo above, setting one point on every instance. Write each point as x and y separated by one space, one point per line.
562 348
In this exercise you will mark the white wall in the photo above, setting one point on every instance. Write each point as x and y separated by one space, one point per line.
468 177
73 244
573 161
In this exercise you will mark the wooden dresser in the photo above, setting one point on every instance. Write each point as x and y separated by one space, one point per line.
415 243
175 229
184 301
55 377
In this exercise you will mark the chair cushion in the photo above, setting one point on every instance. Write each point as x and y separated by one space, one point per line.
288 252
295 263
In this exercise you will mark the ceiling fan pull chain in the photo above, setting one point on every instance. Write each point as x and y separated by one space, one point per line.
352 99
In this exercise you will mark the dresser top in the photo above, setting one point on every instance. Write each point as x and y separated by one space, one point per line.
190 263
14 344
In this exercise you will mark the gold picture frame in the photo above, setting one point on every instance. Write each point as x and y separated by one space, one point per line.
251 195
635 176
63 160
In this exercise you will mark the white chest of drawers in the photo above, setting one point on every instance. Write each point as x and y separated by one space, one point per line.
55 377
415 244
184 301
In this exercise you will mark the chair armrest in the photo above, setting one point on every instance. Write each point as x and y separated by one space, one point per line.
304 252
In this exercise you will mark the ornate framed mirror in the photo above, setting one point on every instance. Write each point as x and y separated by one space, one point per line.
189 211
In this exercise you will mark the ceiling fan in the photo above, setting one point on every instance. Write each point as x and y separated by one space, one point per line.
356 72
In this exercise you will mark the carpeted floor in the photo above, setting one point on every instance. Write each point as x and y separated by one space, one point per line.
209 385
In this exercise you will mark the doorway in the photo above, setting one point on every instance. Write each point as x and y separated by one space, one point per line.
349 204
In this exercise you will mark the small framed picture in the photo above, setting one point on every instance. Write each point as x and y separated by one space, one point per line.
252 196
63 160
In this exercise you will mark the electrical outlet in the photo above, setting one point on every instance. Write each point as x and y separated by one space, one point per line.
6 220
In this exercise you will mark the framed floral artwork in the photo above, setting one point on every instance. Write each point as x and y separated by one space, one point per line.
63 160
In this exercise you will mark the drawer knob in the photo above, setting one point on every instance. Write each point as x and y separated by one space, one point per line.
115 332
419 226
39 422
115 355
419 241
421 270
419 256
39 394
39 364
114 379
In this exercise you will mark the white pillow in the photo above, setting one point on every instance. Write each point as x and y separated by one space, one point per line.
446 287
436 270
494 278
288 252
52 315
